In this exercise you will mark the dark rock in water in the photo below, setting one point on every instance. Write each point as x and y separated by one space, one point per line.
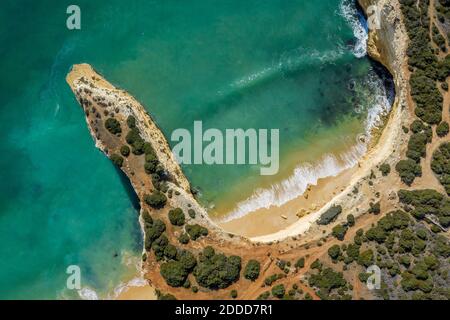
115 255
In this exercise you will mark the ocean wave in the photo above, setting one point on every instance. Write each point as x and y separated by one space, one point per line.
124 286
348 10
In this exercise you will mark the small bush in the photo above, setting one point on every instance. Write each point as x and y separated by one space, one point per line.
191 213
440 165
113 126
184 238
252 270
125 151
300 263
442 129
156 200
375 208
278 291
117 160
174 273
385 169
339 232
176 217
329 215
131 122
351 220
334 252
196 231
408 170
217 271
233 294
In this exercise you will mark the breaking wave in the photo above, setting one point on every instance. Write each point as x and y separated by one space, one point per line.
348 10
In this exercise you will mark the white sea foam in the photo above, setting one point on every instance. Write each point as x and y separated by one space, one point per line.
124 286
348 10
292 60
87 293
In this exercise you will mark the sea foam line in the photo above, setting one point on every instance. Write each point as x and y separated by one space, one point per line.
348 10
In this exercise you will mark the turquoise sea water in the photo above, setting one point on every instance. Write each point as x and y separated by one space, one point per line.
289 64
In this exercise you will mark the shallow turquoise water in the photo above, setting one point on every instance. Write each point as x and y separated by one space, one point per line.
250 64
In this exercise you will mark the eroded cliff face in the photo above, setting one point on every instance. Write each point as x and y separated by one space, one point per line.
388 43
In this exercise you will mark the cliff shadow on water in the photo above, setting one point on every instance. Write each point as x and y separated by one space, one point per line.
134 199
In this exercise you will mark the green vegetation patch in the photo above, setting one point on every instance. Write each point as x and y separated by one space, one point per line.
440 165
196 231
156 200
252 270
217 271
408 170
113 125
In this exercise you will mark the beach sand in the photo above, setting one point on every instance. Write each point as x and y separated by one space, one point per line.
146 292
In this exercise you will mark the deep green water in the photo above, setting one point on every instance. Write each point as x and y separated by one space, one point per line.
250 64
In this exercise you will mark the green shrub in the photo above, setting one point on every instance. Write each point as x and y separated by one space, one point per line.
191 213
176 217
131 122
174 273
252 270
351 220
196 231
113 126
184 238
300 263
153 232
125 151
217 271
278 291
327 279
264 296
375 208
271 279
117 160
440 165
233 294
442 129
408 170
156 200
329 215
339 232
334 252
147 218
385 169
187 260
366 258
